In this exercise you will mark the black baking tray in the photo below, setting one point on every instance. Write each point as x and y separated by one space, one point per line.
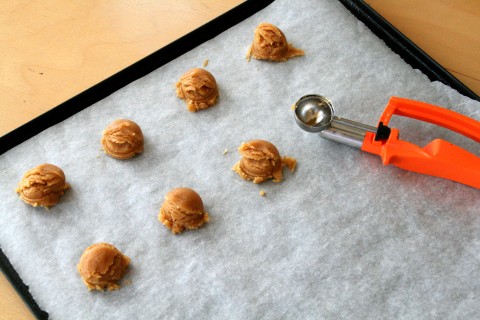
383 29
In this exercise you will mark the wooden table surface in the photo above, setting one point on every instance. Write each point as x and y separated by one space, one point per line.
52 51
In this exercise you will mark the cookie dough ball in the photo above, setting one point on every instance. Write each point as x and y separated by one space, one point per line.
122 139
102 266
260 161
198 88
182 209
269 43
42 185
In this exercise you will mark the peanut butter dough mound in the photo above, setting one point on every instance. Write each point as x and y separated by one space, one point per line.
122 139
269 43
42 185
102 266
182 209
260 161
198 88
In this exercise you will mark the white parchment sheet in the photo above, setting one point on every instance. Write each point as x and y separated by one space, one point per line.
341 237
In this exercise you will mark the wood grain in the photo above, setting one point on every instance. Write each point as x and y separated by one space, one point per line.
52 50
447 30
11 305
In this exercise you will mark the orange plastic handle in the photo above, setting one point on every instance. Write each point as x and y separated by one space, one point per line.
439 158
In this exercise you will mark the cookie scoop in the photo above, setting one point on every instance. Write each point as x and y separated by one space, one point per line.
198 88
182 209
439 158
260 162
102 266
269 43
42 185
122 139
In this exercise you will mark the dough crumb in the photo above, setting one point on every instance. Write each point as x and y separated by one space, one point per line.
198 88
225 151
42 186
262 193
292 107
290 163
182 209
260 162
122 139
205 63
102 266
269 43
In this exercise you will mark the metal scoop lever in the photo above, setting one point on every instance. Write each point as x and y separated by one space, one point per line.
440 158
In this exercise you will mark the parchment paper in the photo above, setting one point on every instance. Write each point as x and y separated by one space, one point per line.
341 237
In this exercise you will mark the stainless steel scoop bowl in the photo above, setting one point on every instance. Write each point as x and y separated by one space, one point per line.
315 113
